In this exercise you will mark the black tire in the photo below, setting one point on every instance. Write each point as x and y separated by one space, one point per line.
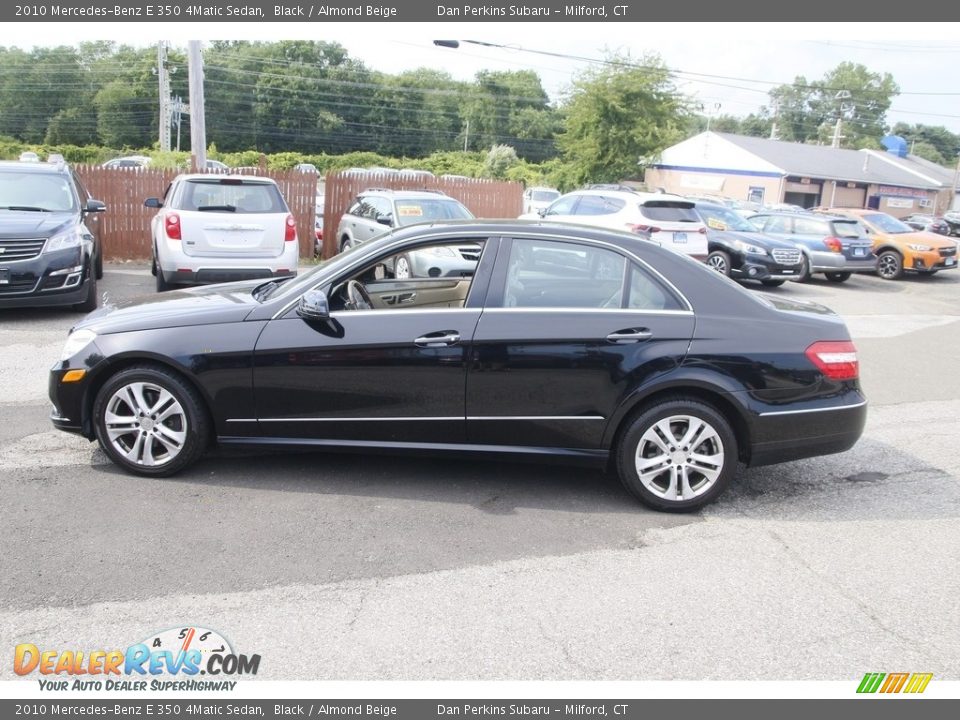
188 419
345 243
716 439
720 261
162 284
153 265
838 277
89 303
99 266
803 275
890 265
772 283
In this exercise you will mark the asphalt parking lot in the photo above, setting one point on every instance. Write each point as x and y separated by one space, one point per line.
349 567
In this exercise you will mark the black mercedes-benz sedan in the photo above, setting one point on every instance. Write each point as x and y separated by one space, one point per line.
559 341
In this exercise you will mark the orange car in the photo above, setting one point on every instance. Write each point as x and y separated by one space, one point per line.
899 247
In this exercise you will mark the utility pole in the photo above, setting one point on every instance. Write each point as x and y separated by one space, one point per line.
466 136
773 125
198 128
841 96
164 76
180 108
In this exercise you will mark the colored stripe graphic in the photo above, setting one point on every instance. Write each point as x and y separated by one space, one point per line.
918 682
894 682
870 682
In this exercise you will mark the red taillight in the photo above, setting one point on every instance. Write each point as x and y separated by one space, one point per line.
172 225
833 244
319 232
643 228
835 359
290 234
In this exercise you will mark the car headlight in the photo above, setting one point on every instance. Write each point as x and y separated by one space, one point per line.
68 238
919 248
76 342
440 251
749 248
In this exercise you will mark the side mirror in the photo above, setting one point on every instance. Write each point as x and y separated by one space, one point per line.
313 305
95 206
153 203
385 220
542 212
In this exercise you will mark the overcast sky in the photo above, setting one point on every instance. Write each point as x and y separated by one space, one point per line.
745 59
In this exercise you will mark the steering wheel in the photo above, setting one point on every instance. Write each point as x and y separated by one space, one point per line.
358 297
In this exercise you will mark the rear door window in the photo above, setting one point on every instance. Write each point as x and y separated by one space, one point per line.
599 205
809 226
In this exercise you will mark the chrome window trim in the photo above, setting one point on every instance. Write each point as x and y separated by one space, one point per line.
484 236
535 417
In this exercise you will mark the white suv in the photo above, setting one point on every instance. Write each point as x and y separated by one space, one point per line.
217 228
669 220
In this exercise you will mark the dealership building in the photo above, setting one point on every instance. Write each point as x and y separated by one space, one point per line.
776 171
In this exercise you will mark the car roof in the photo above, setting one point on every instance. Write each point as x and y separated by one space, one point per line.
406 193
630 194
40 168
219 177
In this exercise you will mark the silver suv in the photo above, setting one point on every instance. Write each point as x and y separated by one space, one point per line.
377 210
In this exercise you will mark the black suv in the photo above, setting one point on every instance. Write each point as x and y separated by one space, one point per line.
50 251
739 250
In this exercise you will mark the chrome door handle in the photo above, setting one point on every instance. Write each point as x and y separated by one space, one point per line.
443 338
624 337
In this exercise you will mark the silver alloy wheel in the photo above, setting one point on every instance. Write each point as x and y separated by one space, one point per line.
679 458
145 423
401 269
717 263
888 266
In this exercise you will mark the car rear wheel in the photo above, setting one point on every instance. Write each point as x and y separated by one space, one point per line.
162 284
149 421
401 269
677 455
890 265
719 261
838 277
345 244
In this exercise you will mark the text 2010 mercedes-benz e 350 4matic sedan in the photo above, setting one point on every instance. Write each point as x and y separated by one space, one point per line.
565 341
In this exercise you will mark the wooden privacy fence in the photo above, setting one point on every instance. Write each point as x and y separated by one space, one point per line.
484 198
125 226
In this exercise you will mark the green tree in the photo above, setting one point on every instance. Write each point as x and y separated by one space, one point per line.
499 160
618 113
946 143
118 117
808 111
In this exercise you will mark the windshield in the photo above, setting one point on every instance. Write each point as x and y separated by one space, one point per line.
36 191
410 211
887 223
722 219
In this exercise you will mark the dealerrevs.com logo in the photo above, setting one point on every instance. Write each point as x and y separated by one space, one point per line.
170 660
890 683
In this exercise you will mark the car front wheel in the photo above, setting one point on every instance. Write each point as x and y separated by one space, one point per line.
149 421
401 270
719 261
890 265
677 455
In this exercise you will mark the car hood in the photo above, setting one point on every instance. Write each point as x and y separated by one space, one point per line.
917 237
225 303
754 238
23 224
